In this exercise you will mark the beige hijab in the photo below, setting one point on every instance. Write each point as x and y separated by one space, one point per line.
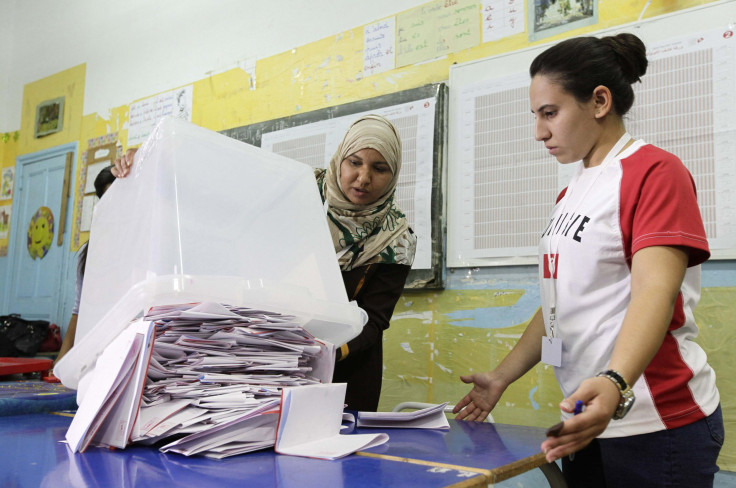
374 233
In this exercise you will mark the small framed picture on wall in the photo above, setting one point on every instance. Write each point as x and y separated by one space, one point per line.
49 117
551 17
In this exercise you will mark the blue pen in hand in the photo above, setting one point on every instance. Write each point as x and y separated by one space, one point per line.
578 409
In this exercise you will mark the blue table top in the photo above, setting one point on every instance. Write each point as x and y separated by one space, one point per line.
34 457
499 451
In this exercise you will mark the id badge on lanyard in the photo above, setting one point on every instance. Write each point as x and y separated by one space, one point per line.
551 344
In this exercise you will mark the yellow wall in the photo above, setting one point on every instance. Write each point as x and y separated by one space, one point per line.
68 84
325 73
8 150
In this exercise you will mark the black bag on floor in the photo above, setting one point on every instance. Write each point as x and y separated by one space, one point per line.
21 337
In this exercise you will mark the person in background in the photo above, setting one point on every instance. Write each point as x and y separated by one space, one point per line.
619 279
374 244
104 179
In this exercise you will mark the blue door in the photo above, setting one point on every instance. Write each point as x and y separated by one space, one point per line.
36 285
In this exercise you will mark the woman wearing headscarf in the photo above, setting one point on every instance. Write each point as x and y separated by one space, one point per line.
374 245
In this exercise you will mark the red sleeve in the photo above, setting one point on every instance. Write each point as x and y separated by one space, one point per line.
659 205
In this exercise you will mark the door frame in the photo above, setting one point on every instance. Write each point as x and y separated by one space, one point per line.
20 164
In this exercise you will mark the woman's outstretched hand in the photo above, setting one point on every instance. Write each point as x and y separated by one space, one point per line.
479 402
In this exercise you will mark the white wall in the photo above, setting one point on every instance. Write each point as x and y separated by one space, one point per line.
136 48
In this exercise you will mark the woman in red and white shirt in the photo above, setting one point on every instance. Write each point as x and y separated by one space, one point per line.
619 277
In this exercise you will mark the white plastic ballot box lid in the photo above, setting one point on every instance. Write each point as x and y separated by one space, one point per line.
203 217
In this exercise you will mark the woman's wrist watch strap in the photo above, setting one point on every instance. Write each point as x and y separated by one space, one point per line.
627 394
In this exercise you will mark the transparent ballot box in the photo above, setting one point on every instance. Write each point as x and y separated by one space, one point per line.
203 217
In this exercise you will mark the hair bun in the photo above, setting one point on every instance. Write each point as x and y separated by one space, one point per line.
630 54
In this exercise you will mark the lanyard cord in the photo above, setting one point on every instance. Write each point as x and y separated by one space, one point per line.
552 254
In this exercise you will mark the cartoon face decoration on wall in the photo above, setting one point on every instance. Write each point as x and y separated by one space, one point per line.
40 233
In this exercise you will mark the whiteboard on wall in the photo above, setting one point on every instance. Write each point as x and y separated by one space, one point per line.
502 184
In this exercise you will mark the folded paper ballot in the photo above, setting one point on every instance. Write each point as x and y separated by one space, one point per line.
426 418
251 431
108 411
310 421
118 427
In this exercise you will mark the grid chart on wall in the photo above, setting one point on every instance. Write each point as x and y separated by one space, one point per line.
504 185
503 181
513 181
690 135
309 150
685 105
407 184
315 143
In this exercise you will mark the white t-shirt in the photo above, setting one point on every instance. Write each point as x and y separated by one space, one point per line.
643 197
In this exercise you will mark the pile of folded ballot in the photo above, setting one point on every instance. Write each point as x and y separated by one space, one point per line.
198 378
